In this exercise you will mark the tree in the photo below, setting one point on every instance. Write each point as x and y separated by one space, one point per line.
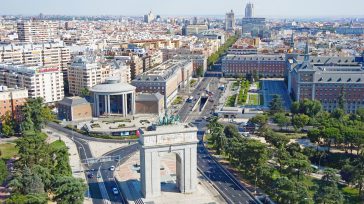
338 113
281 119
26 182
27 199
307 107
287 191
354 173
261 121
3 171
298 164
314 135
331 134
295 107
61 162
300 120
328 191
276 140
36 114
230 131
360 113
341 102
84 92
7 124
69 190
199 71
252 155
276 105
33 150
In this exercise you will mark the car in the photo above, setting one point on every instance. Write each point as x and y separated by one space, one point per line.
90 175
112 168
115 191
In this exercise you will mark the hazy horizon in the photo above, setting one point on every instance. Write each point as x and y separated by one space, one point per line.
263 8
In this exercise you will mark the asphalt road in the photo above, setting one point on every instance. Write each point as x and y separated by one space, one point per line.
229 187
273 87
99 191
186 108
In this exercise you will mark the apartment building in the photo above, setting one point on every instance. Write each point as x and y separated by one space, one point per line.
37 31
263 65
38 80
48 55
197 61
84 72
12 100
88 71
167 79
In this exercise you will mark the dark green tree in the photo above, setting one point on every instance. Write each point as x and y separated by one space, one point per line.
3 171
84 92
69 190
328 192
276 105
33 150
199 71
231 131
27 199
36 114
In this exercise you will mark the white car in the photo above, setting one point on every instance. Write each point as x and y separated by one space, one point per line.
115 191
112 168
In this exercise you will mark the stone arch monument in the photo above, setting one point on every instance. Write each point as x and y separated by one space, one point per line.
180 139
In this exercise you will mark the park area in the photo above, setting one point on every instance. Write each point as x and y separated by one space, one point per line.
8 150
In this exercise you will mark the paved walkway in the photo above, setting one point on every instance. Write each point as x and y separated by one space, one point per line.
130 183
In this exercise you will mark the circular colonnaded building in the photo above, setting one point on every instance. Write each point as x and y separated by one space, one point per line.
113 98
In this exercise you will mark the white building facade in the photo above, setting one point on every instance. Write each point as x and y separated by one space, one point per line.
46 83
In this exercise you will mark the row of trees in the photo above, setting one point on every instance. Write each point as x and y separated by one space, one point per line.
279 167
243 92
215 56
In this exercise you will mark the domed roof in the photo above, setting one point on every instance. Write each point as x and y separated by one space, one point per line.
112 86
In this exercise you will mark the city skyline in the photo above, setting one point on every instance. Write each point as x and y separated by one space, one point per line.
262 8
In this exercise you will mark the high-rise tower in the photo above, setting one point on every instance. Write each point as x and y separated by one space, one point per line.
249 10
230 21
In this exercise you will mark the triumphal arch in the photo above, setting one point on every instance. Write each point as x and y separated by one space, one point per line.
180 139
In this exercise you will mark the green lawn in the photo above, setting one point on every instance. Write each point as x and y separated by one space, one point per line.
8 150
253 99
58 144
230 102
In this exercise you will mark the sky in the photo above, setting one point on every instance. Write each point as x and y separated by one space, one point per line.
263 8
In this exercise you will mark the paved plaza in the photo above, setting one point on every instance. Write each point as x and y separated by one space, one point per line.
129 178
